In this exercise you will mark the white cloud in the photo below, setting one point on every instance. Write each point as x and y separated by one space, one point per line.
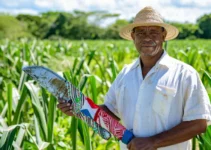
9 3
172 10
19 11
44 3
202 3
181 14
70 5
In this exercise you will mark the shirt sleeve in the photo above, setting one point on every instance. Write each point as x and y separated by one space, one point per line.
110 100
197 103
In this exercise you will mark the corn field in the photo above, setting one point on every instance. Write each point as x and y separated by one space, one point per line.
29 119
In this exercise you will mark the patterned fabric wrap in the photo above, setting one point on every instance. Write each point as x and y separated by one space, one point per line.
106 121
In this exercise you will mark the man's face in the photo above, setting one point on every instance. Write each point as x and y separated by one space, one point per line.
148 39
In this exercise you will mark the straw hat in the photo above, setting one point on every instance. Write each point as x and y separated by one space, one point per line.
148 17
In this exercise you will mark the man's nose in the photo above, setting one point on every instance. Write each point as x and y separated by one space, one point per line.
147 38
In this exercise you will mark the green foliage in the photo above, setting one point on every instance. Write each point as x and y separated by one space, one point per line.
29 118
187 30
204 24
84 25
11 28
112 31
36 25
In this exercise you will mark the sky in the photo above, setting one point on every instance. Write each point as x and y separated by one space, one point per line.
171 10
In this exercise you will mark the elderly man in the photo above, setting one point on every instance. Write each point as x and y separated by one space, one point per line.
160 99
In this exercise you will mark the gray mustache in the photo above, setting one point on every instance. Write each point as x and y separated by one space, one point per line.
148 44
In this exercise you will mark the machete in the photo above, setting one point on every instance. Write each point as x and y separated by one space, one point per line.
83 107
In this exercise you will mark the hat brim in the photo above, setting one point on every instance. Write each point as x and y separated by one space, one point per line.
172 31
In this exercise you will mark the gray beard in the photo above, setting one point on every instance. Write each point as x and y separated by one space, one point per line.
153 53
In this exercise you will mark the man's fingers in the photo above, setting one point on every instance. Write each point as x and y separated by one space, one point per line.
62 105
66 109
65 106
62 101
69 113
129 145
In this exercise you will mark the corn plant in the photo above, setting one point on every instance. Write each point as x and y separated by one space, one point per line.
29 118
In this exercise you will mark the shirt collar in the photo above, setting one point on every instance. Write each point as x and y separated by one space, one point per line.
165 60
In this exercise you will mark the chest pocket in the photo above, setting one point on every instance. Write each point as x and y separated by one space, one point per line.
162 101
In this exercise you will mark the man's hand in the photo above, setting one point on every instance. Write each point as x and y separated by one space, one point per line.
141 144
180 133
65 107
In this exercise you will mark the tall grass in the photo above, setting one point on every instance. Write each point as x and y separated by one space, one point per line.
29 118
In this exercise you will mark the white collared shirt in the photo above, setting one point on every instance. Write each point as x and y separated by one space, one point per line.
170 93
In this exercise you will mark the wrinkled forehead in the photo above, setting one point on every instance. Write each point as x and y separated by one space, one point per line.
158 28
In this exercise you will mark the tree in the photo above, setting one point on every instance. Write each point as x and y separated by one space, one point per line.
56 26
204 23
31 22
11 28
187 30
112 31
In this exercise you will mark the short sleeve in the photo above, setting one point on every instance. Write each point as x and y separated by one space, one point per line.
110 100
197 103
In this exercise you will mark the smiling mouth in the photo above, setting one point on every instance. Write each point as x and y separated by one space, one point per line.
147 46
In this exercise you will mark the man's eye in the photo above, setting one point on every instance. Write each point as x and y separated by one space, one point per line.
154 33
140 33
